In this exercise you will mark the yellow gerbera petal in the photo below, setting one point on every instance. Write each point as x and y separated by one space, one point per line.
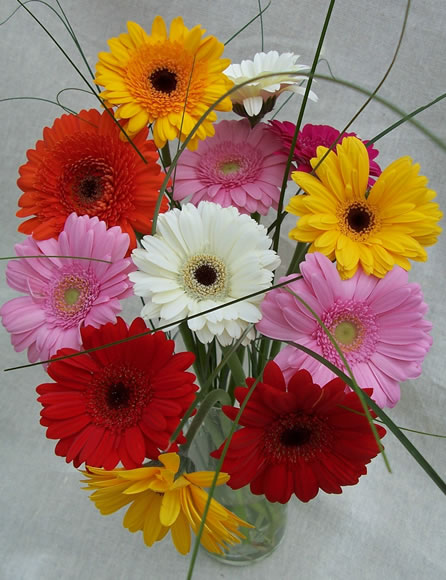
137 122
171 461
152 524
205 478
136 514
354 165
136 33
159 30
181 536
170 507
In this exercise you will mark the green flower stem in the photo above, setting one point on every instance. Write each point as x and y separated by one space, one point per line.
259 15
275 348
236 367
264 349
193 346
298 257
213 397
299 120
165 155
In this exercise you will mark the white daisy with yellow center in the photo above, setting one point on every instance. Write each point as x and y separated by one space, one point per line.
200 258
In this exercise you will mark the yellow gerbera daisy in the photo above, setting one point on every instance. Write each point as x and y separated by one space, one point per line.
170 79
161 500
345 221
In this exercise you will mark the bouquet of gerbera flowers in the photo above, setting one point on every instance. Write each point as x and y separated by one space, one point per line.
172 192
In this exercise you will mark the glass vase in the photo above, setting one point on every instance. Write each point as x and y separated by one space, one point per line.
268 518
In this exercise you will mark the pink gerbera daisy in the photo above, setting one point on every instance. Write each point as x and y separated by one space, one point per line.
64 293
309 139
234 167
377 322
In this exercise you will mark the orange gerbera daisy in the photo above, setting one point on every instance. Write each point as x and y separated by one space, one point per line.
82 166
169 79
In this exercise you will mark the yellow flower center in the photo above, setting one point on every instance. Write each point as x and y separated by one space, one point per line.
204 276
358 220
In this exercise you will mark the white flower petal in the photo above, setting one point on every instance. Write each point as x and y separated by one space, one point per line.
253 105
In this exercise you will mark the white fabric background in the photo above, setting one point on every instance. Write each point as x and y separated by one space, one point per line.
388 526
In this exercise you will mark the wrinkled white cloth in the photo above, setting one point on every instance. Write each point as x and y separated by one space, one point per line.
389 525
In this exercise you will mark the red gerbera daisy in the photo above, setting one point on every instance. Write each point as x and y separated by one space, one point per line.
121 403
82 166
297 438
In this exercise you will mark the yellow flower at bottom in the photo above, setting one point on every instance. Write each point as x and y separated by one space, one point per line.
376 229
160 500
169 79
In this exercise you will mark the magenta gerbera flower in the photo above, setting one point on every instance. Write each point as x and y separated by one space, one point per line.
236 166
310 138
377 322
64 293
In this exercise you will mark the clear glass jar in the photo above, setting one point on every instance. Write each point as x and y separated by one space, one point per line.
268 518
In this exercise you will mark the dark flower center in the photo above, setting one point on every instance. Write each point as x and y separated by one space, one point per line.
205 275
164 80
359 218
89 187
118 396
295 436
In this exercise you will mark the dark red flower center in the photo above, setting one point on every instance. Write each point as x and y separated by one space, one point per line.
86 183
164 80
118 396
89 187
294 436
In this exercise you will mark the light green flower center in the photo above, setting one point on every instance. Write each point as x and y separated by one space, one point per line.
71 296
228 167
346 332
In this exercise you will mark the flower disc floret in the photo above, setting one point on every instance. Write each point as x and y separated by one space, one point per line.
201 258
166 78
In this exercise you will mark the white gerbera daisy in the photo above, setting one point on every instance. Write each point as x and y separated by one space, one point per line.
202 257
251 98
